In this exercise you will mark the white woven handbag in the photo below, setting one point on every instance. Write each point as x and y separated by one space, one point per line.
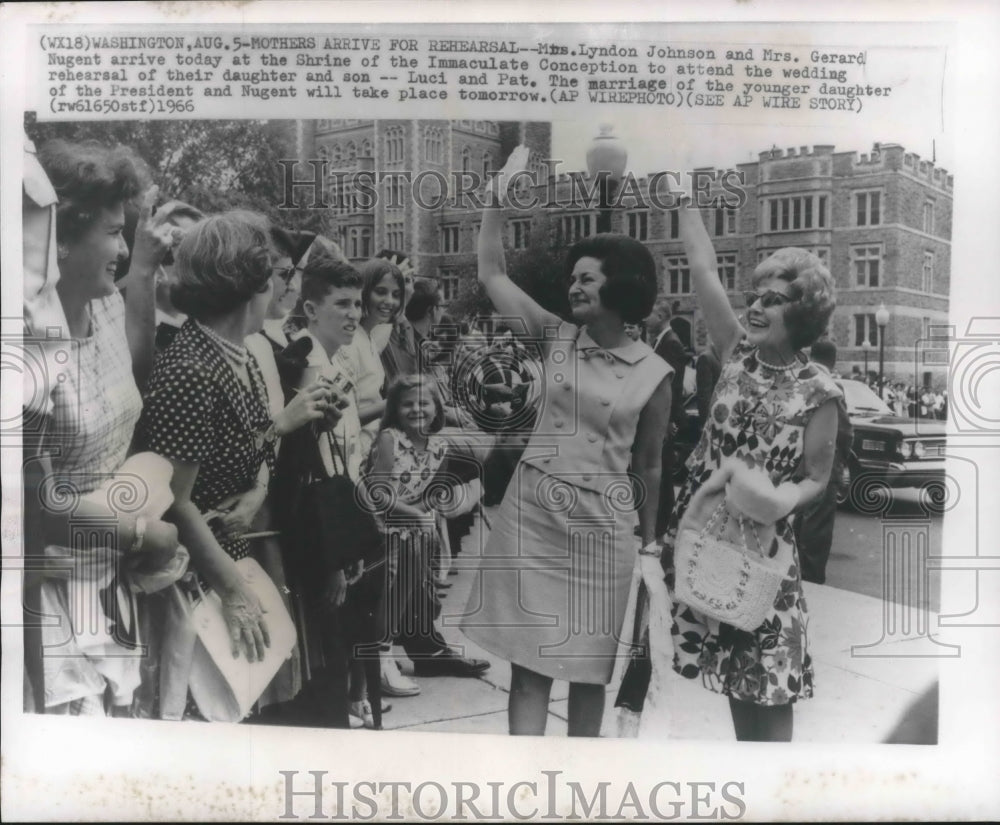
726 581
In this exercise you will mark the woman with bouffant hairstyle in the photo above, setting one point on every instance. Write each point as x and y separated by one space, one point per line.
222 264
94 409
208 411
765 452
810 286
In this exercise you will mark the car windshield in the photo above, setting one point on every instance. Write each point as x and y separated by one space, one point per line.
861 400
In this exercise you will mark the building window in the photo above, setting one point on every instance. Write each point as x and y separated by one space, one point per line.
449 238
394 235
725 221
448 282
726 264
799 212
823 253
350 151
433 145
927 274
466 159
675 225
394 145
360 242
336 154
868 208
394 192
678 275
638 225
520 233
866 261
487 165
865 329
575 227
929 217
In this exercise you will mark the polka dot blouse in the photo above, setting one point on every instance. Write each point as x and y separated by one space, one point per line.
197 411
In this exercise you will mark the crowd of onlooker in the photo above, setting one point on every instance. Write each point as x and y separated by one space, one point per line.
907 400
261 387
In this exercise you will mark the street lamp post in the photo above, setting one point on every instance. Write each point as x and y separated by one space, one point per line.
882 319
606 159
866 347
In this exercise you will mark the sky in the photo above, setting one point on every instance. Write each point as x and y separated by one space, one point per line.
652 149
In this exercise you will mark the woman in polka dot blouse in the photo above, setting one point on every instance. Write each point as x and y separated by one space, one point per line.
207 408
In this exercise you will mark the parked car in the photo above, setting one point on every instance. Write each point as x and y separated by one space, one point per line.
899 451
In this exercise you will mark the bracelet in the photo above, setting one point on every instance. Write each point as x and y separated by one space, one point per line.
652 549
139 534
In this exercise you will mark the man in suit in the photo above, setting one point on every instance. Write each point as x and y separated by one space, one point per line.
813 526
707 368
668 346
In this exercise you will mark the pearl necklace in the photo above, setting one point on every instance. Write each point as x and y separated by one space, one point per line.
775 367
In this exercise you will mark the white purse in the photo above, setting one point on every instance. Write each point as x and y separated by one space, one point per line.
726 581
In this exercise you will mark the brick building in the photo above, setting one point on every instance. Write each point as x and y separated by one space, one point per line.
880 221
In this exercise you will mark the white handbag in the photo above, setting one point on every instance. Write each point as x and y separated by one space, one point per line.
726 581
225 688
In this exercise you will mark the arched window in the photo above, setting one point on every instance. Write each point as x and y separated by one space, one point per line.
366 148
466 159
433 145
336 154
394 144
350 152
487 165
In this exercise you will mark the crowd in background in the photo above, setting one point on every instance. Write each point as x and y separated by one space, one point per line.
326 421
260 385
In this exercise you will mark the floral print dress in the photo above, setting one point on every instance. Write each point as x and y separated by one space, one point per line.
758 415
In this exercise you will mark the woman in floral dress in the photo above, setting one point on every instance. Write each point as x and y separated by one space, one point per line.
772 412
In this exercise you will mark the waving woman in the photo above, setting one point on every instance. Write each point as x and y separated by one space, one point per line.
564 530
767 447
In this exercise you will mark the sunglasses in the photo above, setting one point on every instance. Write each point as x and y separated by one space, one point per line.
767 299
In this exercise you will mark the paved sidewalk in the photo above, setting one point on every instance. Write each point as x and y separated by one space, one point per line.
858 699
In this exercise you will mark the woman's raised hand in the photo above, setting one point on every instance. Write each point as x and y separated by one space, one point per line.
152 237
516 165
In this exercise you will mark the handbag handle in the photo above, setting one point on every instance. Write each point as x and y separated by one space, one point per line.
335 453
724 511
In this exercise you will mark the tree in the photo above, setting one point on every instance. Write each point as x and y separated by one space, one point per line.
212 164
539 270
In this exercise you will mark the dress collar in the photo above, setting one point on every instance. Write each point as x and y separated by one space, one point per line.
630 354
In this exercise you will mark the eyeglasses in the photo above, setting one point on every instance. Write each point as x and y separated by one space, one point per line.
767 299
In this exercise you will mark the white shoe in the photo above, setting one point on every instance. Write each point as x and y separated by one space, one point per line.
395 683
360 715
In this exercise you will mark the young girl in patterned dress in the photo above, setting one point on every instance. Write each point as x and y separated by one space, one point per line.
404 461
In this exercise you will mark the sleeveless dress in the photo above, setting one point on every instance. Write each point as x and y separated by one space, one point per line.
554 579
758 415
